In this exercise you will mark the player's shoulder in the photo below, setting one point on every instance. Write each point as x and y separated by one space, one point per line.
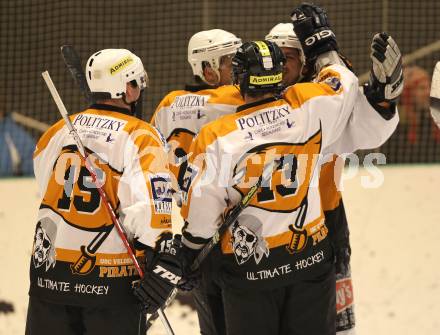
106 116
119 119
327 83
218 128
170 97
143 128
225 94
50 133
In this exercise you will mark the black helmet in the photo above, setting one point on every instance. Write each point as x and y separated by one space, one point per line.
258 68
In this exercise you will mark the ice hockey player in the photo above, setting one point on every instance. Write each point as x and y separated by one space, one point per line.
181 113
80 273
179 116
349 140
271 271
335 218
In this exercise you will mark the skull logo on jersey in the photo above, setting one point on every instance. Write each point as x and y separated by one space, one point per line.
44 249
247 240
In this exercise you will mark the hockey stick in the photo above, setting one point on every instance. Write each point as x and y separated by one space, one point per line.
230 218
73 63
435 95
89 166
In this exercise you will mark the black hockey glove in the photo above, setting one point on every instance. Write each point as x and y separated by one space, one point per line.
190 278
312 28
161 277
386 75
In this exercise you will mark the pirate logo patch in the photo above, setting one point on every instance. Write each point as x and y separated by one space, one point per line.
44 244
247 239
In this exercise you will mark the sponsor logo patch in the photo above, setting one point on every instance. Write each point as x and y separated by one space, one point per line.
344 294
120 65
161 189
188 177
262 80
334 83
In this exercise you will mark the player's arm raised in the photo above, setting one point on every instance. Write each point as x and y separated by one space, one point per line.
375 116
331 98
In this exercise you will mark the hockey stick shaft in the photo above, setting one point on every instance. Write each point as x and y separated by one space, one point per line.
73 63
232 217
90 168
119 227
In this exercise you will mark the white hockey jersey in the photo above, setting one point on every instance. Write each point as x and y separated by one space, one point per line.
78 256
181 114
281 236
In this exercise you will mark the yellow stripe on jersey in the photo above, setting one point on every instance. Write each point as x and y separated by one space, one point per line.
316 229
68 255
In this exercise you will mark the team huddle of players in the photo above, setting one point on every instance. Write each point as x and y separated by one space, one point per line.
288 104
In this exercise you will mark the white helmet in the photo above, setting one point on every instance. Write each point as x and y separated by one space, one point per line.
284 36
109 70
209 46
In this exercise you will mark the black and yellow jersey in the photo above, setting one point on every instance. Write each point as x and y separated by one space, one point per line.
78 257
181 114
281 236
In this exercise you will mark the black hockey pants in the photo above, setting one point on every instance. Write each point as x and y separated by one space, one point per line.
304 308
45 318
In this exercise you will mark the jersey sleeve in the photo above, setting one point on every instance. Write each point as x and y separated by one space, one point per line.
145 187
366 128
328 102
46 153
205 199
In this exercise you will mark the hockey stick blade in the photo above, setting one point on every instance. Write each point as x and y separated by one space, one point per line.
435 95
73 63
